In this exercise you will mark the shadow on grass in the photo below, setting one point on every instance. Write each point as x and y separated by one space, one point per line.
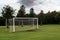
32 30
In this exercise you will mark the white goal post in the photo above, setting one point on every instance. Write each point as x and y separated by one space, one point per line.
13 28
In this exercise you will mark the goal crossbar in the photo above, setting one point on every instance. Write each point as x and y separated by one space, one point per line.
24 18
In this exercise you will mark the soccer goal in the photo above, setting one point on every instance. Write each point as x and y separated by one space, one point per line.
23 23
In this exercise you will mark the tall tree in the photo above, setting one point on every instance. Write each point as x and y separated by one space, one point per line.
53 16
32 14
21 12
7 13
48 17
41 17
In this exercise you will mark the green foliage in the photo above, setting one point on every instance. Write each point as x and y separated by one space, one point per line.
26 15
21 12
32 14
7 12
49 18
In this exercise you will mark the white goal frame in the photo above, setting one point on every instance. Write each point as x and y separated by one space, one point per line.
13 26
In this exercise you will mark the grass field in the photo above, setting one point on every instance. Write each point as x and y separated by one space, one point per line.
45 32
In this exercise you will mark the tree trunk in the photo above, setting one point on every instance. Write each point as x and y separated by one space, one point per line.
7 23
22 24
41 23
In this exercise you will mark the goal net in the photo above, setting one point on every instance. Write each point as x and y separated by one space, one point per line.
21 24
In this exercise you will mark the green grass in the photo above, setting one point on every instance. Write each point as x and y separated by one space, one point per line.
45 32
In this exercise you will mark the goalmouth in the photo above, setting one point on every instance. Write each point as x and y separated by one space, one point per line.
22 22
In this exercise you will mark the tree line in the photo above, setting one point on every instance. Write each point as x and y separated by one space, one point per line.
44 18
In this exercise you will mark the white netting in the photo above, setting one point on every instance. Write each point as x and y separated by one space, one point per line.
18 24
